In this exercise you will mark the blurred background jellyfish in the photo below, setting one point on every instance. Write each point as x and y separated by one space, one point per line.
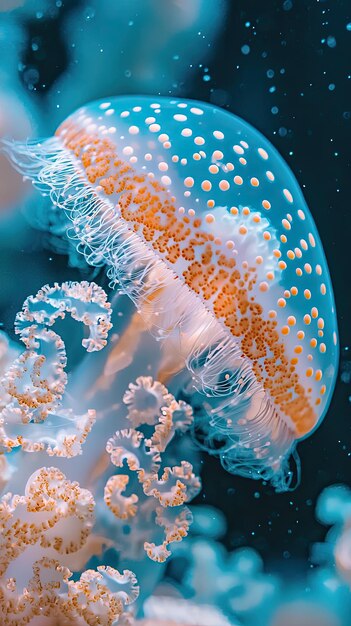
301 613
334 509
239 584
203 571
220 255
17 113
168 35
316 599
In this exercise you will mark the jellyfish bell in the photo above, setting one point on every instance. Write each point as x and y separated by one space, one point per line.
200 221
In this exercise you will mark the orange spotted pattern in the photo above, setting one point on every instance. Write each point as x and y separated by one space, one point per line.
150 210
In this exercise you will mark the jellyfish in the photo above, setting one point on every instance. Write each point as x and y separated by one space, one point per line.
169 47
198 219
93 501
240 584
334 509
235 582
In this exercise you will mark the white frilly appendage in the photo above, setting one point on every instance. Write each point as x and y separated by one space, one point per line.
32 387
148 500
44 534
239 421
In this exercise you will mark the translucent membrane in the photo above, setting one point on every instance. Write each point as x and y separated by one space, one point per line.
198 218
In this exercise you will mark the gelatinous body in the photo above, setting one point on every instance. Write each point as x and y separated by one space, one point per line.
202 223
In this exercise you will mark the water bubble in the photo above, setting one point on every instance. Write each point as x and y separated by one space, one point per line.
287 5
331 41
274 110
245 49
283 131
331 87
206 78
219 97
89 13
31 77
270 73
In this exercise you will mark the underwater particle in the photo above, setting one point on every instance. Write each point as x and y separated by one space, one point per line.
345 366
331 41
45 532
245 49
287 5
221 254
331 87
31 77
